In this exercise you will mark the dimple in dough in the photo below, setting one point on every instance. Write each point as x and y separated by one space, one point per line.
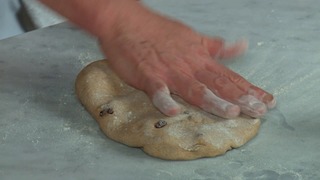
127 115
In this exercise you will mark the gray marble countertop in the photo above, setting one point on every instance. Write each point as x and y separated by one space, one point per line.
46 134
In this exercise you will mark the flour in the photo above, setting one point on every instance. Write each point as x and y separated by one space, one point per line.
286 88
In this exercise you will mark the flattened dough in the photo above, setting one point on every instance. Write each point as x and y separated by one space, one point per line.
127 115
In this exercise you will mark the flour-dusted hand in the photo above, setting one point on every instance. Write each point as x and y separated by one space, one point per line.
162 56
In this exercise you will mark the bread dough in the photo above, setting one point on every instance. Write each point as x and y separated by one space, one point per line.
127 115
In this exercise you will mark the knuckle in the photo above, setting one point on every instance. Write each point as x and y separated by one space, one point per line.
237 79
222 81
196 89
240 81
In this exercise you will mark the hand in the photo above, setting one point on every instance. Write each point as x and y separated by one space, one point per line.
161 56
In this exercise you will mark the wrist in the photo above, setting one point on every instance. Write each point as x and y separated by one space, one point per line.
120 13
96 16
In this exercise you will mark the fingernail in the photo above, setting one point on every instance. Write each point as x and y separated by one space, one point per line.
271 103
252 106
266 98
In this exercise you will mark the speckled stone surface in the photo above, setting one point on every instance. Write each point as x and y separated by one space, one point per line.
41 15
46 134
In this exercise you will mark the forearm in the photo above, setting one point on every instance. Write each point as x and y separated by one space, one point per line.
95 16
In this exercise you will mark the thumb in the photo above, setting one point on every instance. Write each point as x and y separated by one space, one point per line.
218 49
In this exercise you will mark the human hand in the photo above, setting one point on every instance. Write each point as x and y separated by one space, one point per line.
161 56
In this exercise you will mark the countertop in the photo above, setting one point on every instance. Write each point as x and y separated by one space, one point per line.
46 134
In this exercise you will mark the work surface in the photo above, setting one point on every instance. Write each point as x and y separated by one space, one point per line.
46 134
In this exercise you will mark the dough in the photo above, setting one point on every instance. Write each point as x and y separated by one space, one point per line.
127 115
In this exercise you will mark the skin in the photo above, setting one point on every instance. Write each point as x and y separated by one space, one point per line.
162 56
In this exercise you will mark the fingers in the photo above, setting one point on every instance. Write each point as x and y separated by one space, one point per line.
160 96
255 91
214 45
219 50
262 95
233 50
229 91
164 102
251 106
220 96
199 95
244 85
192 92
220 107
